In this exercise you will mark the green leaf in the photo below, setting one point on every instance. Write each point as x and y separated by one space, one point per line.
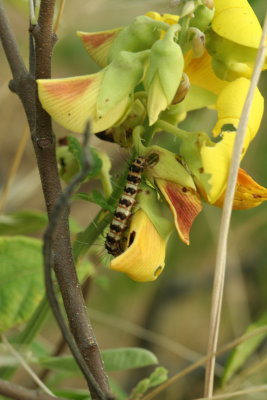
241 353
76 149
21 279
74 394
22 222
159 376
97 164
114 360
127 358
25 222
95 197
80 394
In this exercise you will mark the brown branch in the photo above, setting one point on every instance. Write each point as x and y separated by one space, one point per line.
61 202
44 145
23 83
17 392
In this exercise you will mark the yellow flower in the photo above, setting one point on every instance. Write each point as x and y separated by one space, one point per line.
73 101
216 159
234 39
104 98
144 257
248 193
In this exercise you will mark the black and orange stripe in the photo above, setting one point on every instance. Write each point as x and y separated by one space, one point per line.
124 209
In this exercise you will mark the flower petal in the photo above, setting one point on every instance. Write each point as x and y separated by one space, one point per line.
98 44
248 193
72 102
184 203
235 20
144 259
216 161
201 74
230 105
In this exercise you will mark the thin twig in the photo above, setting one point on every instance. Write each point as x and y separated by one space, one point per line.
244 392
13 55
17 392
33 20
59 15
23 83
203 360
13 168
49 234
26 366
220 265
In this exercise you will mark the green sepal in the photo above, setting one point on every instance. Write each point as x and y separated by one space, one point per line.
166 61
202 17
120 78
168 167
149 202
138 36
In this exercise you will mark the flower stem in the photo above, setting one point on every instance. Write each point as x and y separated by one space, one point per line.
173 130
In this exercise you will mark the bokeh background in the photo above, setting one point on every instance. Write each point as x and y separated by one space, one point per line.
170 316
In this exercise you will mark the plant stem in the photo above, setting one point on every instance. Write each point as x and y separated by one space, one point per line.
17 392
13 169
44 145
221 255
173 130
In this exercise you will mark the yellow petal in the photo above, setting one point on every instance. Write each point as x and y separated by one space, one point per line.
235 20
230 104
216 161
184 203
72 102
201 74
98 44
248 193
144 259
170 19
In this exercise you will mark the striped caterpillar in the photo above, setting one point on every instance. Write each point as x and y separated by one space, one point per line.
123 211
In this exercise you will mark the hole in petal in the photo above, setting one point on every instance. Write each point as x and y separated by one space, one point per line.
228 128
131 239
158 271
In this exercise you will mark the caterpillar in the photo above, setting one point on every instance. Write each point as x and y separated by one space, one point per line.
123 211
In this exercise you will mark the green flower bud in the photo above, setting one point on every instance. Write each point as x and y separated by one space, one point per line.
164 73
138 36
120 79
